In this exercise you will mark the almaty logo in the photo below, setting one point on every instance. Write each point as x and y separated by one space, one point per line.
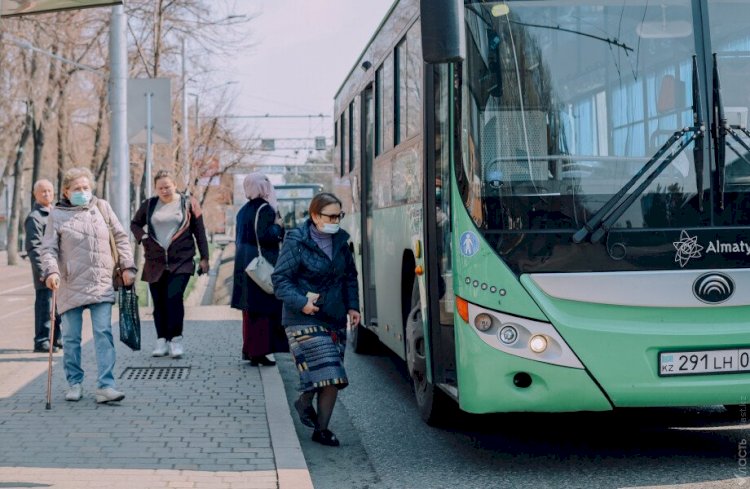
687 247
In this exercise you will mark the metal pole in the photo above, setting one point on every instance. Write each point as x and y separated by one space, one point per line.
149 160
149 144
119 176
185 127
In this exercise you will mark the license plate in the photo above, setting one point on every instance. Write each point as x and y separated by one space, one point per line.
704 362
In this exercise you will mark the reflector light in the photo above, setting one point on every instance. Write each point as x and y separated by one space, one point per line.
462 308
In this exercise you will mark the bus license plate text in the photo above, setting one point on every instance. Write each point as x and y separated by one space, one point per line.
704 362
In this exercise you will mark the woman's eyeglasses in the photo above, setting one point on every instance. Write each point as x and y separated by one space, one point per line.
335 217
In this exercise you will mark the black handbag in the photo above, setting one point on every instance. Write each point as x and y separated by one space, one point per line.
130 321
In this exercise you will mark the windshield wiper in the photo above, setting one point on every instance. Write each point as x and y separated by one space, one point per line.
720 134
698 147
615 207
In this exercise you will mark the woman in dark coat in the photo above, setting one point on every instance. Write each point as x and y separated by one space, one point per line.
169 226
262 332
316 278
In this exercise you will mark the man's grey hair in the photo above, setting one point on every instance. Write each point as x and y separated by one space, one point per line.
41 181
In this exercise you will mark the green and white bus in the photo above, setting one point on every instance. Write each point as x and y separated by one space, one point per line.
294 201
550 201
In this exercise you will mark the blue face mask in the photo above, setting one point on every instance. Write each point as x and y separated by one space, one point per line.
329 228
80 198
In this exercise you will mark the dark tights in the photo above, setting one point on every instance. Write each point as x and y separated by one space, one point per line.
326 401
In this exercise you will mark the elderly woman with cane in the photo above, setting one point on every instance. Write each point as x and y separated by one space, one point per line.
78 265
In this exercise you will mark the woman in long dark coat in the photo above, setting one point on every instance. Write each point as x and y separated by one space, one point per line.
262 332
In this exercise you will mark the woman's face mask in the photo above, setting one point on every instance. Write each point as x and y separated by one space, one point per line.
80 198
329 228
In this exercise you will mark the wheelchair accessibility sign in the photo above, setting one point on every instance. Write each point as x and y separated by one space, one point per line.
469 244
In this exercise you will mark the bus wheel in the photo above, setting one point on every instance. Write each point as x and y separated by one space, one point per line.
430 400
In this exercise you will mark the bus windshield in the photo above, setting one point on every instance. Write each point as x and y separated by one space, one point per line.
564 103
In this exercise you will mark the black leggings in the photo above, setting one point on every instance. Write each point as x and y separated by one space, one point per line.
169 310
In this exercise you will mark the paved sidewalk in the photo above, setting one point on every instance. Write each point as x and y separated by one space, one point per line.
209 421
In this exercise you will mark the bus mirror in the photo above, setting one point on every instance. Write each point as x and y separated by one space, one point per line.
442 30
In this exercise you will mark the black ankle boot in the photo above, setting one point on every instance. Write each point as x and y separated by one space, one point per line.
325 437
261 360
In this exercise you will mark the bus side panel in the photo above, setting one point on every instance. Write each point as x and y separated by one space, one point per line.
620 347
485 381
394 229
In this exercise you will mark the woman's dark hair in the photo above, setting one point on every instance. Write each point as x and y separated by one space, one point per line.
163 174
322 200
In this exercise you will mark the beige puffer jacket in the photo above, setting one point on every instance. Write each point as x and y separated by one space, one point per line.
76 245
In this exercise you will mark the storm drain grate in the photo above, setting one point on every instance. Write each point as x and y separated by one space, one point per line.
155 373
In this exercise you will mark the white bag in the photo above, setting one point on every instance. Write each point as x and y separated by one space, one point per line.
260 269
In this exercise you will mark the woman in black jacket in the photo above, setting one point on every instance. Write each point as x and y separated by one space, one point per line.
173 226
316 279
262 332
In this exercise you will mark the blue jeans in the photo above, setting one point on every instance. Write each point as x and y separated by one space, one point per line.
72 323
42 310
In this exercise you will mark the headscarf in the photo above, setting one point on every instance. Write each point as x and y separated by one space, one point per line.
257 185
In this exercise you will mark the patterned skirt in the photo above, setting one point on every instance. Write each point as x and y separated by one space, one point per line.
319 356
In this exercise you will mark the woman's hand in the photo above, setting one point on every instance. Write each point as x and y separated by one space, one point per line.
310 308
354 318
204 265
53 281
128 277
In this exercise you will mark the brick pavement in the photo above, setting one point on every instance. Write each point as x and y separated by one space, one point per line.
225 425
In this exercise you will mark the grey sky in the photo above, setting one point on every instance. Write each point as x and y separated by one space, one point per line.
304 49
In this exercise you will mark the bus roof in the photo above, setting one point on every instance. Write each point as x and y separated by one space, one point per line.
367 46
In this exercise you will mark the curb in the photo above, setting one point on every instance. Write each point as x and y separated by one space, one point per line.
291 468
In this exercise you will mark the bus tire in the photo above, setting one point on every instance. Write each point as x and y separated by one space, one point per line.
431 401
363 340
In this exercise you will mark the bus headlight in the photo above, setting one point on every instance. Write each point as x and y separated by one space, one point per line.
518 336
483 322
508 335
538 343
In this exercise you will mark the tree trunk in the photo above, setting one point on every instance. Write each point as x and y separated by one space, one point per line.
38 138
61 147
15 215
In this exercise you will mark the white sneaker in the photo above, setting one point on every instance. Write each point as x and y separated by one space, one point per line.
161 348
108 394
175 347
75 392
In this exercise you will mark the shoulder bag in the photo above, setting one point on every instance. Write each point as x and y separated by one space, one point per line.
117 281
260 269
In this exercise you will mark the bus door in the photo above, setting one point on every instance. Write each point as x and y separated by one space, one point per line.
367 134
438 149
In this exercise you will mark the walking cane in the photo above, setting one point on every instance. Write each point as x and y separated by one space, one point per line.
51 346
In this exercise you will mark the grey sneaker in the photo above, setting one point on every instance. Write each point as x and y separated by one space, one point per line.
75 392
108 394
160 349
175 347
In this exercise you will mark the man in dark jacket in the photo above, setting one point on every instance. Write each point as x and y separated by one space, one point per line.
35 224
